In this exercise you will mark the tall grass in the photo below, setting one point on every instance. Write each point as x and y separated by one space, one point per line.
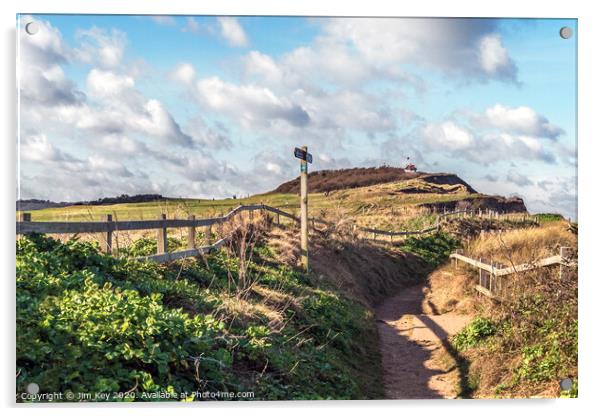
522 245
532 334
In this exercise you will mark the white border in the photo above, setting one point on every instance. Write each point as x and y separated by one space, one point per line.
590 35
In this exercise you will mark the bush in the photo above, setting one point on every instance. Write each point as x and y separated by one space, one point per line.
549 217
434 248
91 323
474 334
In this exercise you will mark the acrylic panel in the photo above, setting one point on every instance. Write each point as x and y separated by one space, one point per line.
295 208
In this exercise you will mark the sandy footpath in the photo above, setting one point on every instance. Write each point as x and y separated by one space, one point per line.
409 340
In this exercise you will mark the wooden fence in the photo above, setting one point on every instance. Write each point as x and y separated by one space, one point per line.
491 276
107 227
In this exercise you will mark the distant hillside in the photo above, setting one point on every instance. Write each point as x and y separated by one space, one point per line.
333 180
35 204
486 202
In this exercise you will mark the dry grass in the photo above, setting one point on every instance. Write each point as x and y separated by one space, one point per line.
523 245
365 272
538 313
451 290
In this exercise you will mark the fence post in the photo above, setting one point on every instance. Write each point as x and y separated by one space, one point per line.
25 216
107 240
220 229
191 233
162 237
207 237
277 218
564 251
491 275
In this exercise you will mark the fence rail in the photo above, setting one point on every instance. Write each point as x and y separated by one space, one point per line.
108 227
490 283
72 227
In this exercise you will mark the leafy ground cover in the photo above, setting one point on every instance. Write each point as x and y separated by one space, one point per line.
90 323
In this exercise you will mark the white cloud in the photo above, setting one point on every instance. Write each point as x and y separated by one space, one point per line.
192 26
494 57
328 59
461 142
41 79
448 136
263 66
521 120
118 96
50 102
108 84
43 48
184 72
232 31
518 179
207 136
458 47
36 147
273 168
101 47
354 110
251 104
98 163
122 145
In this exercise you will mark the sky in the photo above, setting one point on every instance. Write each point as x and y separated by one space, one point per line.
213 106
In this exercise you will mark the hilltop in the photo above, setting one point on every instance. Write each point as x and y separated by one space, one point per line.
375 197
386 189
333 180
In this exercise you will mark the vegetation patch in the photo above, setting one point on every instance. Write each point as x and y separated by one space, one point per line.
90 323
547 217
474 334
526 344
434 248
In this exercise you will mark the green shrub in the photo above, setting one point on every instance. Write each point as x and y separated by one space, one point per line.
548 217
434 248
91 323
474 334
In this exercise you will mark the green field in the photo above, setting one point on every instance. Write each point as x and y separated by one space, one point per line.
350 202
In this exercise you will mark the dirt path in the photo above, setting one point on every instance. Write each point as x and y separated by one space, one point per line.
410 339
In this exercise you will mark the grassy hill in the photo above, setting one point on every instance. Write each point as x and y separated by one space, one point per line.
333 180
386 197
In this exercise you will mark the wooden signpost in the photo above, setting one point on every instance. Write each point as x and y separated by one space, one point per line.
301 153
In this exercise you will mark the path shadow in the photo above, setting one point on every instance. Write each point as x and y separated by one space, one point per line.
460 362
406 374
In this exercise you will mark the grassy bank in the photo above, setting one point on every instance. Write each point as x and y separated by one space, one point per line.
525 345
89 323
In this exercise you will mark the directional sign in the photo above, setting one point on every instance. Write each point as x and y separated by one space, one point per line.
303 155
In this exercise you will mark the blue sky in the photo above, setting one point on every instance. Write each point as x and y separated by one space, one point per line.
205 106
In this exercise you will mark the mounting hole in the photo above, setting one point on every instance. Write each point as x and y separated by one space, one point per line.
566 384
32 28
566 32
32 388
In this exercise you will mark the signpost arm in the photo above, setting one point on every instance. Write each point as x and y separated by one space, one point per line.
304 242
